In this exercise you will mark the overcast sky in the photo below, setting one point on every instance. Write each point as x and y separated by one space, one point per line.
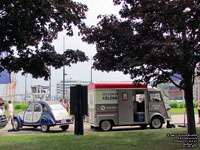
80 71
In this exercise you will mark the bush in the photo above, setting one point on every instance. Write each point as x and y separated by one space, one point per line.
173 105
20 105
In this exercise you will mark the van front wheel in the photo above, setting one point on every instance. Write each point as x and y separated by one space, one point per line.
106 125
156 123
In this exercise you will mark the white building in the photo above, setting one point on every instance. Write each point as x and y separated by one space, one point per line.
68 83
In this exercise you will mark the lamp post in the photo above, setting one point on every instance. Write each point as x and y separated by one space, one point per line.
25 88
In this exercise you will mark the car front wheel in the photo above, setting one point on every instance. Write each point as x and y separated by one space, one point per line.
15 124
45 128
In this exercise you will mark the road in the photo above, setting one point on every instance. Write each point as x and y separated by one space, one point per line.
176 119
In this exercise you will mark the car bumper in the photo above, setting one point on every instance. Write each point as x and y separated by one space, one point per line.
64 122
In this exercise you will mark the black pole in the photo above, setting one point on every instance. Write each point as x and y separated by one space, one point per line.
79 115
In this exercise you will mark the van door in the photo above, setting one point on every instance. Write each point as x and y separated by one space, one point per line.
125 107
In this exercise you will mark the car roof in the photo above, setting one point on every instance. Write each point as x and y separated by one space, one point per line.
47 102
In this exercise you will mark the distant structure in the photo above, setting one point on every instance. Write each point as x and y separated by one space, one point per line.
40 92
68 83
174 93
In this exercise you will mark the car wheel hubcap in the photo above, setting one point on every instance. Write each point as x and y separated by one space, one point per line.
15 124
44 127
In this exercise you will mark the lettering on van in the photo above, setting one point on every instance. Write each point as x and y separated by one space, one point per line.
109 96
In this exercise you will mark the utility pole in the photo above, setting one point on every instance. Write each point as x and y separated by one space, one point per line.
63 70
25 88
91 71
63 82
50 84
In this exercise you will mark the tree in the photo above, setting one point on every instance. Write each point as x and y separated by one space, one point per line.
28 28
153 39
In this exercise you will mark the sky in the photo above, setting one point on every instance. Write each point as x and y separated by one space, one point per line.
79 71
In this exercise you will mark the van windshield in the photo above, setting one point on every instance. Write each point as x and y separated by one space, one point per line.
155 96
57 107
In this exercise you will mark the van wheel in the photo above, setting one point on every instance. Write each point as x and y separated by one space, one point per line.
156 123
15 124
45 128
105 125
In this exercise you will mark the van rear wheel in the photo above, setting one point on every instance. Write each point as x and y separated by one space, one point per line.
106 125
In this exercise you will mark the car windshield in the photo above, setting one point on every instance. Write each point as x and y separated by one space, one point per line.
57 107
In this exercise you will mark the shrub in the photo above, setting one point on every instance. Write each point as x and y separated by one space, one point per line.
173 105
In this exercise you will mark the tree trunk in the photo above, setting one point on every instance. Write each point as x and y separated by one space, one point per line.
188 89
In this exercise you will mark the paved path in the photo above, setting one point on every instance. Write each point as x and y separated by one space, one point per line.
176 119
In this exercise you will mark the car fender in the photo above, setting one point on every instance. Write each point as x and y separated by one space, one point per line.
18 119
46 119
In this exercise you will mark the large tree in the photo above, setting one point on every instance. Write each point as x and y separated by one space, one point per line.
27 29
153 40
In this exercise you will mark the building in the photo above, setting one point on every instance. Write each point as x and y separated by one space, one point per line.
40 92
68 83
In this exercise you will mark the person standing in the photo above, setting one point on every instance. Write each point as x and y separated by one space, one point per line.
11 111
198 107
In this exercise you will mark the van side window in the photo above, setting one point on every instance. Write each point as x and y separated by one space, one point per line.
155 96
125 96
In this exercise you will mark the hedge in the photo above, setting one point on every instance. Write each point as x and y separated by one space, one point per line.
180 105
18 105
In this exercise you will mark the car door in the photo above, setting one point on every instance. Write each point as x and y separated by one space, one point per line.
28 114
37 113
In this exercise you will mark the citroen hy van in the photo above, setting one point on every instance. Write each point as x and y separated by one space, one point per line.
126 104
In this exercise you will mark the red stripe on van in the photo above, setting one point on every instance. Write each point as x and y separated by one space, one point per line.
94 86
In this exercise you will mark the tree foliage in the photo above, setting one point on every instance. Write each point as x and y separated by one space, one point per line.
153 39
28 28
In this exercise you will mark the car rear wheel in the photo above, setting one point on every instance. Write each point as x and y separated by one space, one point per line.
45 128
15 124
64 128
106 125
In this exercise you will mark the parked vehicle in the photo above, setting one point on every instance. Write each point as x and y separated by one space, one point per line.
120 104
43 114
3 119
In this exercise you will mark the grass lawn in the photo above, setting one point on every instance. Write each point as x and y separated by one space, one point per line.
113 140
180 110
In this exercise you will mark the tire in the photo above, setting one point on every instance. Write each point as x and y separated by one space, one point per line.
15 124
156 123
64 128
105 125
45 128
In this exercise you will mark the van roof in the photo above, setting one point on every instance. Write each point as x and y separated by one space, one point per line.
94 86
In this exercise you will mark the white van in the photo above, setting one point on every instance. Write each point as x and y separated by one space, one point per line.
124 104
